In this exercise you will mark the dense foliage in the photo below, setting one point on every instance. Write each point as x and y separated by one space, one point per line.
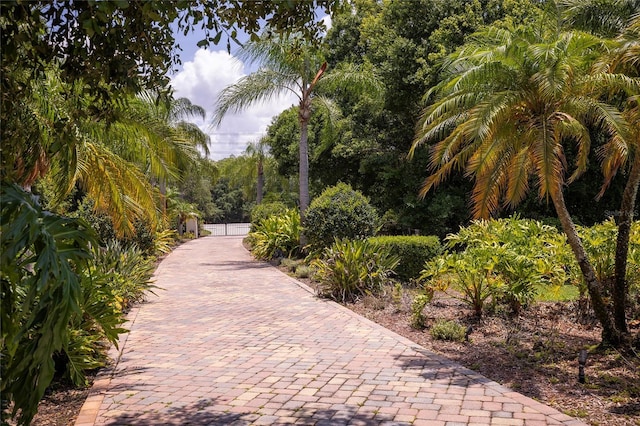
86 114
511 261
265 210
339 212
413 251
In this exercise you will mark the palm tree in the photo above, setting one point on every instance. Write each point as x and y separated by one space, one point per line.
257 151
624 59
508 105
290 65
619 18
164 143
115 164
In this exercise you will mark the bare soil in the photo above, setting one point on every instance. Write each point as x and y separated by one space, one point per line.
534 353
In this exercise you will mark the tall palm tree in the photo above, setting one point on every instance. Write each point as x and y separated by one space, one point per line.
258 152
290 64
625 59
509 104
620 19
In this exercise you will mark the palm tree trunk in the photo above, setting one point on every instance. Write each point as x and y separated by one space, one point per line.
260 183
610 334
620 286
304 168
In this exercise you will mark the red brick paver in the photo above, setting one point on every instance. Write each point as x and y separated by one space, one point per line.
230 341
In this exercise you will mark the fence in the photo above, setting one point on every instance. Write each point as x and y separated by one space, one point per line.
224 229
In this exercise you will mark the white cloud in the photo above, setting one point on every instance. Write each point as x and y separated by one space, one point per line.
202 79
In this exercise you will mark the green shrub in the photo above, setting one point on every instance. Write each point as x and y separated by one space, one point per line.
448 330
418 320
414 252
600 244
352 268
303 271
128 270
277 236
470 274
291 264
265 210
118 277
144 237
339 212
506 259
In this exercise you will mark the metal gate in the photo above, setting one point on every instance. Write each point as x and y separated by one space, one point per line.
225 229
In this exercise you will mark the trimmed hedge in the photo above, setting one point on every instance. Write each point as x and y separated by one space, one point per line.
413 251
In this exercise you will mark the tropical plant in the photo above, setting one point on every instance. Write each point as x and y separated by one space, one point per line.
265 210
41 255
509 105
339 212
128 270
418 320
257 151
470 274
277 236
290 64
353 268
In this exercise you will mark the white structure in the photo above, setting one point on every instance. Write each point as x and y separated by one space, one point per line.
192 226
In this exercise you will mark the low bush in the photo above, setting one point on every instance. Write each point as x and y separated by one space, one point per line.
448 330
418 320
277 236
303 271
505 260
413 251
339 212
352 268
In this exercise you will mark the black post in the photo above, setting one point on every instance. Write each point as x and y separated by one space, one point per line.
582 361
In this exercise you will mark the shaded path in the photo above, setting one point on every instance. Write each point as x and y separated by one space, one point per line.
230 341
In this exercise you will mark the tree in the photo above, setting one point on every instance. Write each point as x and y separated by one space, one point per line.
406 45
624 59
257 151
79 37
508 106
67 67
289 64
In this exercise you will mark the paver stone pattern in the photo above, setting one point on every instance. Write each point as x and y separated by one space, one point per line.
227 340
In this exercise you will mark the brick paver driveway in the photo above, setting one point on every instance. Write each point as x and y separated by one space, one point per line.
230 341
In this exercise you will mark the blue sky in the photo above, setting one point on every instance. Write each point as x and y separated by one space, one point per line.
203 74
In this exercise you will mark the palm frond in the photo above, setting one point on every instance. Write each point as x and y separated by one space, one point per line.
260 86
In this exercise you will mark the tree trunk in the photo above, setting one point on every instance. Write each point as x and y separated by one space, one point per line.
610 334
260 182
305 112
620 286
